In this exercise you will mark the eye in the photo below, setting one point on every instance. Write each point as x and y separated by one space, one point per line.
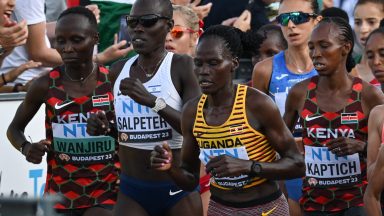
310 46
357 22
381 52
369 55
198 63
213 62
59 41
77 39
324 45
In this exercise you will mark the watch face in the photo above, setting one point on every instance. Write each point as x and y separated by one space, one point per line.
256 168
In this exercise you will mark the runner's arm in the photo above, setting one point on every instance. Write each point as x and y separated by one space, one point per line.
261 75
375 124
187 174
291 164
372 194
26 111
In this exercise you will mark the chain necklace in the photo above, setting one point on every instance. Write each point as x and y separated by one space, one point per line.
81 80
157 66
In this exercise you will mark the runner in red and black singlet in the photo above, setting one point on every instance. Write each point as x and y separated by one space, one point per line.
82 169
341 180
80 165
333 108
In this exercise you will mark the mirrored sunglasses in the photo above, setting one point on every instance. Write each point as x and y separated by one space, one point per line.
178 31
296 17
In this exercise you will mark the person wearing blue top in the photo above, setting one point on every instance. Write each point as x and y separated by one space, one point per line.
276 75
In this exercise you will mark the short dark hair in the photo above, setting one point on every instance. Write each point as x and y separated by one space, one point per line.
345 35
234 39
82 11
335 12
267 29
314 5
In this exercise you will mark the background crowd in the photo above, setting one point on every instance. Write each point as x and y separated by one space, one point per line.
319 60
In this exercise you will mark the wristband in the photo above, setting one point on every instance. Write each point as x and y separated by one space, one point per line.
23 145
15 87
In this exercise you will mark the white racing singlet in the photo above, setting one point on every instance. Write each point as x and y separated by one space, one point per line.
138 125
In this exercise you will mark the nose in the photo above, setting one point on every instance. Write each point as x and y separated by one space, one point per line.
315 52
11 3
377 60
168 38
364 28
291 24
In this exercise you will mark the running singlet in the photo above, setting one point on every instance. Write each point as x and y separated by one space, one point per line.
139 126
282 80
235 138
333 183
81 168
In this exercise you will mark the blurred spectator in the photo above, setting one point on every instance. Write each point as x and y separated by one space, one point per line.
110 13
201 10
53 8
227 11
334 12
348 6
182 39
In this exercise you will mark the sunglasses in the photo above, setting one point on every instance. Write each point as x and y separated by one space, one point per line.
296 17
178 31
146 21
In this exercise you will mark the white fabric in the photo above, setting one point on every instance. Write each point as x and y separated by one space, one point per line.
140 127
33 12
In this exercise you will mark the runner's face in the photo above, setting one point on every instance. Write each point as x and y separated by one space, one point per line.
147 39
186 44
297 35
367 18
213 65
326 50
270 47
75 39
374 50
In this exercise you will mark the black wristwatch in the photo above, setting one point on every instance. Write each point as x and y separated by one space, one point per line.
255 169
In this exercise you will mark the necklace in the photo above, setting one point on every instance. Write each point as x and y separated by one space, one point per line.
299 70
157 66
82 79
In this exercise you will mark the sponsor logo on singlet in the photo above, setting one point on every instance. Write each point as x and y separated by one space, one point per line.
138 123
231 147
72 143
325 169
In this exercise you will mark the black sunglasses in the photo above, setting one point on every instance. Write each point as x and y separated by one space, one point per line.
146 21
296 17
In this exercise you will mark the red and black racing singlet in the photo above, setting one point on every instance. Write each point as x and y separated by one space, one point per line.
81 168
333 183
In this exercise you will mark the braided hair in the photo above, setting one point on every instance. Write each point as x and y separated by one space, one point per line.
345 35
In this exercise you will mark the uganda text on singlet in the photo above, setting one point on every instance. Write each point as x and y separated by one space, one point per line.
139 126
333 183
82 168
235 138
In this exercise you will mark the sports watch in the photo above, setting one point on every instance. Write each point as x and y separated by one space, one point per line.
159 105
255 169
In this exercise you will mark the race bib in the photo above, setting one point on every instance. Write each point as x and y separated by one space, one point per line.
72 144
325 169
228 182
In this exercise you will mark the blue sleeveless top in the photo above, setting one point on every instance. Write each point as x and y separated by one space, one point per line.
283 79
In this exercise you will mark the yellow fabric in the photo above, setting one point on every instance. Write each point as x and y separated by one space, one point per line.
237 131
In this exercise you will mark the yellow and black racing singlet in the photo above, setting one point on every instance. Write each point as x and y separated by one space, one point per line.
235 138
333 183
81 168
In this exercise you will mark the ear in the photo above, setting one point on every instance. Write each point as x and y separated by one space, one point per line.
318 19
235 64
346 49
96 38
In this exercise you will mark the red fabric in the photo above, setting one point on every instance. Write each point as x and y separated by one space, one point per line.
73 3
204 183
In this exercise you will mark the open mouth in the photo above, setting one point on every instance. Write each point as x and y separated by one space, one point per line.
319 66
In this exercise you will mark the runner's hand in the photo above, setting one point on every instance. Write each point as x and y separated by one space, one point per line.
343 146
97 124
227 166
161 157
34 152
201 10
136 90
